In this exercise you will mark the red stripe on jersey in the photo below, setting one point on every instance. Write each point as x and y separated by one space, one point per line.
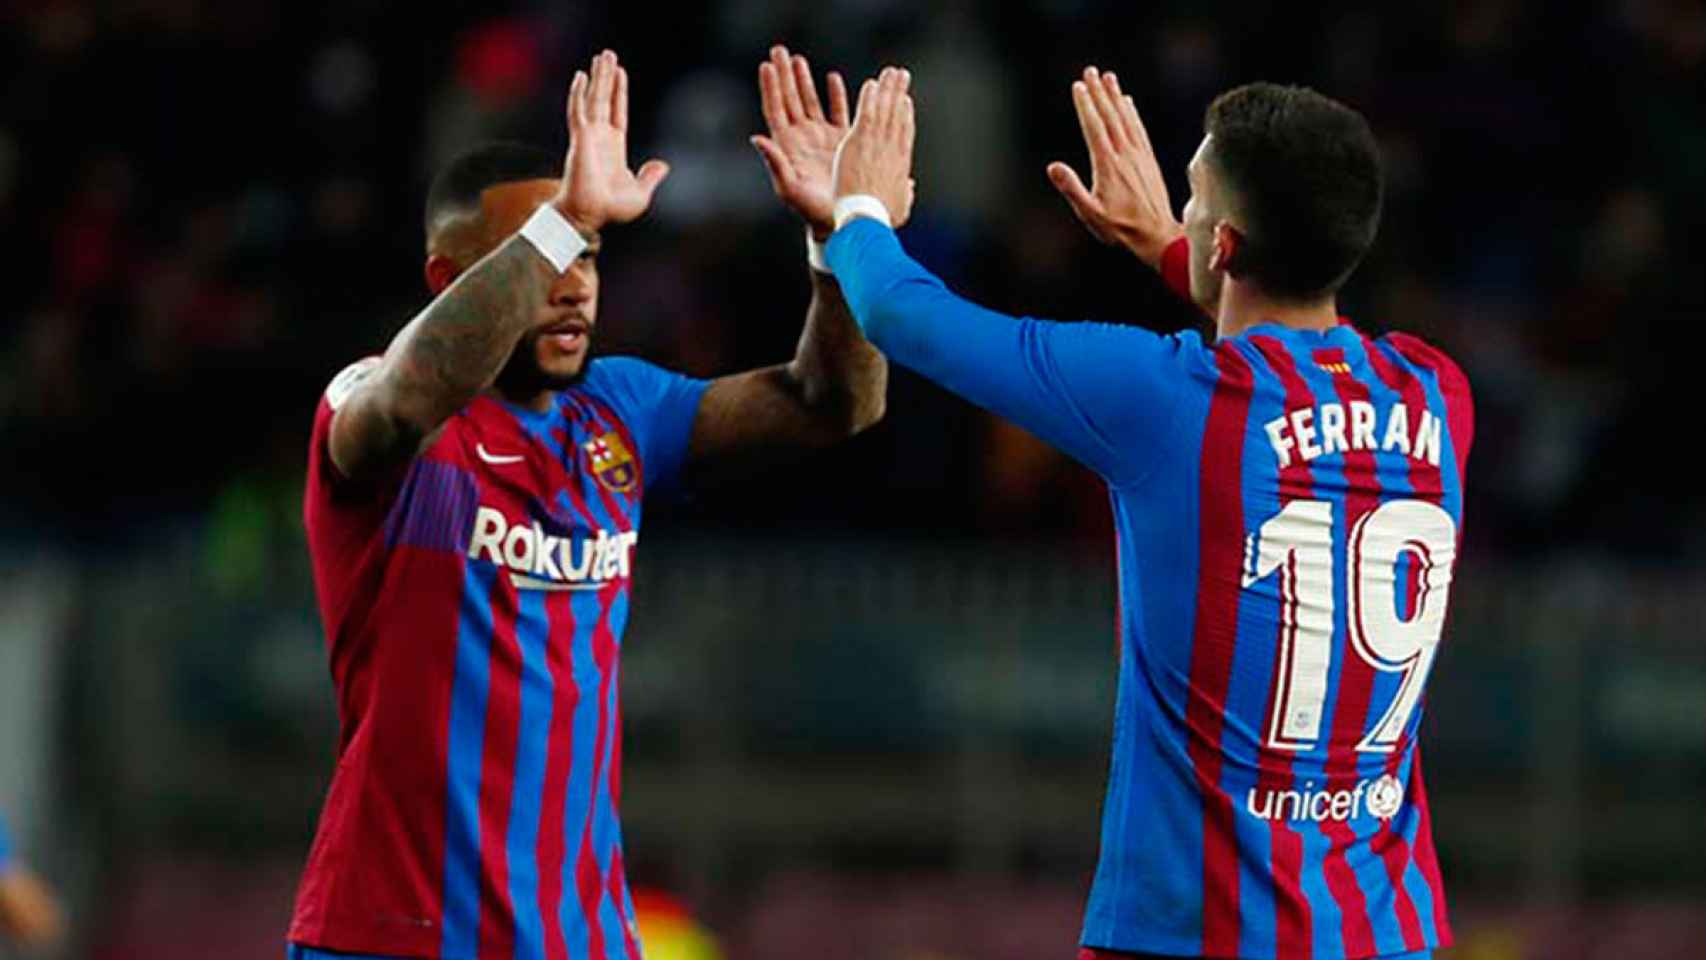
552 846
1460 420
1350 710
1219 586
1293 918
1453 389
497 773
1426 858
1427 483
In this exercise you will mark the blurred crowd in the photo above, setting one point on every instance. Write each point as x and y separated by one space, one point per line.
209 208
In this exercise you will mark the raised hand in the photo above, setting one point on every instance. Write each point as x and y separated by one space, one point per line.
598 188
799 153
876 156
1127 200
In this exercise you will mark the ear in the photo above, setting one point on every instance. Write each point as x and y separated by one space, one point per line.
1228 240
441 272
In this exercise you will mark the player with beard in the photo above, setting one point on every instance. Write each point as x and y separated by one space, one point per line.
472 507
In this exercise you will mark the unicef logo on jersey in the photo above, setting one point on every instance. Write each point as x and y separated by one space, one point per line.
1385 797
1382 798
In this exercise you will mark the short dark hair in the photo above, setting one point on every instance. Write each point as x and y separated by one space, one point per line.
1304 171
457 187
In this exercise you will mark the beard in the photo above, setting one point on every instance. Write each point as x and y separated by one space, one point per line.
522 374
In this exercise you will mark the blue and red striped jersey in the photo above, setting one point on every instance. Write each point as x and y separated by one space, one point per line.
1288 506
473 607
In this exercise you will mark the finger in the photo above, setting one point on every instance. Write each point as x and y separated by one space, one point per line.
619 100
1105 108
603 82
888 102
1140 133
770 97
651 174
838 114
867 104
807 88
903 104
1125 111
1090 123
577 100
785 73
775 161
1084 204
905 123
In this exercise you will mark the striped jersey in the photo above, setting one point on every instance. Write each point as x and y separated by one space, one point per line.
473 606
1288 506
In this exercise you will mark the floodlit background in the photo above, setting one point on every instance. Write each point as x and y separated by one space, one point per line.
868 696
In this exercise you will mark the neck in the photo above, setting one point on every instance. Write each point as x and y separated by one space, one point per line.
1242 307
537 400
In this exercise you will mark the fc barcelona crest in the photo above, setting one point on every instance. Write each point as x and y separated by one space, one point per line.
612 464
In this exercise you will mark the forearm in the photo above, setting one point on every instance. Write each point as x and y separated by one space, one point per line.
911 317
1036 373
456 347
840 374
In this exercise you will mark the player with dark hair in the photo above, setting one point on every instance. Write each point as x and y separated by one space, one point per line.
30 915
472 508
1288 499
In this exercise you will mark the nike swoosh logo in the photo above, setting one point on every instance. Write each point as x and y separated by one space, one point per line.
494 458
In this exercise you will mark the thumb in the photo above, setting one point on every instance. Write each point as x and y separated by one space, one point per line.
651 174
775 161
1084 204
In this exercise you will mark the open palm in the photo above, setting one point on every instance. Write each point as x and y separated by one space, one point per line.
799 153
598 187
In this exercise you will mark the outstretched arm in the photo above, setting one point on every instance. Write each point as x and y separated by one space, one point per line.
1101 393
836 382
456 347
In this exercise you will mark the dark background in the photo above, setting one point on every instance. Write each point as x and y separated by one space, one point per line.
209 208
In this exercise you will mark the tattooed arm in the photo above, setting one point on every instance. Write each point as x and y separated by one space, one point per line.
449 353
456 347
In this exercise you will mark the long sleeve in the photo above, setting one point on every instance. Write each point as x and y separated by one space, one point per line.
1103 394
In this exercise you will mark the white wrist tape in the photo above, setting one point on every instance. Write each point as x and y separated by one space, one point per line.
814 254
554 237
861 205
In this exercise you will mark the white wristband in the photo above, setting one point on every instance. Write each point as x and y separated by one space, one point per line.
814 254
861 205
554 237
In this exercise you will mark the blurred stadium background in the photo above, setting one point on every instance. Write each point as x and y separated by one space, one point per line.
868 696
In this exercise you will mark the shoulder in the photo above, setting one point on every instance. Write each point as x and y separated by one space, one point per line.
638 387
620 372
1425 355
348 379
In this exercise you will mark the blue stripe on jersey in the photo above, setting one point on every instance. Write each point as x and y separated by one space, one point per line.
1253 667
531 634
462 868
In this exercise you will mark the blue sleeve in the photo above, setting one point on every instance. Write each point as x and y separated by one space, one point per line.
1104 394
5 848
657 405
